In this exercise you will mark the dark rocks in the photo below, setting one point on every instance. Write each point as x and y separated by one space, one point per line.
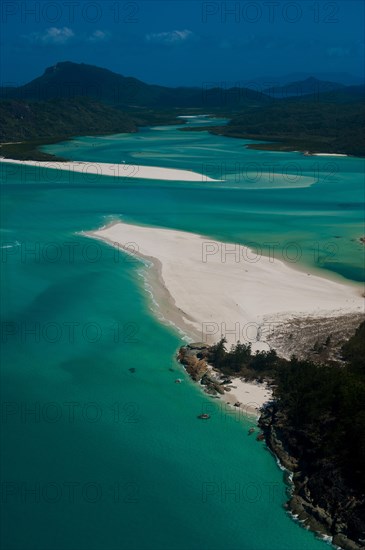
343 542
194 358
268 415
320 496
194 366
212 385
199 346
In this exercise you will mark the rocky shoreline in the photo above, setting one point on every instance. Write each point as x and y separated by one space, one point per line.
194 358
320 497
235 391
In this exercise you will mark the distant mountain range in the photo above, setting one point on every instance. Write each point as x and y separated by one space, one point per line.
69 80
303 87
77 99
342 78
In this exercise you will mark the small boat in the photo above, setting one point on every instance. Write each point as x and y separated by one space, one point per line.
251 431
260 437
178 380
204 416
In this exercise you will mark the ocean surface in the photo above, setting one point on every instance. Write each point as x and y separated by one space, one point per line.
101 450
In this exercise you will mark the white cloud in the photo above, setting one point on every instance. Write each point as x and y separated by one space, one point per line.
170 37
52 35
62 35
99 36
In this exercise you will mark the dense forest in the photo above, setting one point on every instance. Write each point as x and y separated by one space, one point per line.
315 126
35 123
318 414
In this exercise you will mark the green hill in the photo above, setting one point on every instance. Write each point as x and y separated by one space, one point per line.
316 126
40 122
75 99
69 80
303 87
21 120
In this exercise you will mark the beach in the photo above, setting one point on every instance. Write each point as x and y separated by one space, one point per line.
126 171
251 395
210 289
247 397
329 155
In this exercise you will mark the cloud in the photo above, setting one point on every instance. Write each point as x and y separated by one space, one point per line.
170 37
62 35
52 35
99 36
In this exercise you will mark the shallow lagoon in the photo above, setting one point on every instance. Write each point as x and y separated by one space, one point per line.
145 472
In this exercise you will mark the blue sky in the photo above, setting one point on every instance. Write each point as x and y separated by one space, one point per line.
183 43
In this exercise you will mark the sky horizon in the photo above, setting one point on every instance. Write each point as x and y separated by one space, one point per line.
184 43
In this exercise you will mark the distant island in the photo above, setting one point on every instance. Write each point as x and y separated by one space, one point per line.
72 99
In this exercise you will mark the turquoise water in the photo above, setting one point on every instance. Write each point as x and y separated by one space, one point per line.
96 456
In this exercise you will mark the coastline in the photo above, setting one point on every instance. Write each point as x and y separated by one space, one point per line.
237 396
126 171
325 517
208 296
251 395
183 284
310 154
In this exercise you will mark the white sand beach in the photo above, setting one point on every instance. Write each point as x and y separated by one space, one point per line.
209 288
248 397
126 171
309 154
329 155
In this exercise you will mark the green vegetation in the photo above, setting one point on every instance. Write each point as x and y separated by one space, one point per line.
26 125
72 99
67 80
26 120
29 150
323 406
354 351
316 426
38 123
316 126
330 122
299 88
240 361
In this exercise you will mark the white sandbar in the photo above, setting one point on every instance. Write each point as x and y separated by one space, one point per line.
115 170
210 288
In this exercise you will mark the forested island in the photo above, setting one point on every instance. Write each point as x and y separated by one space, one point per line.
72 99
315 425
314 126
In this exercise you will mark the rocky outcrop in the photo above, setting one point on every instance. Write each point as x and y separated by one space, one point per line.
194 358
213 386
321 498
